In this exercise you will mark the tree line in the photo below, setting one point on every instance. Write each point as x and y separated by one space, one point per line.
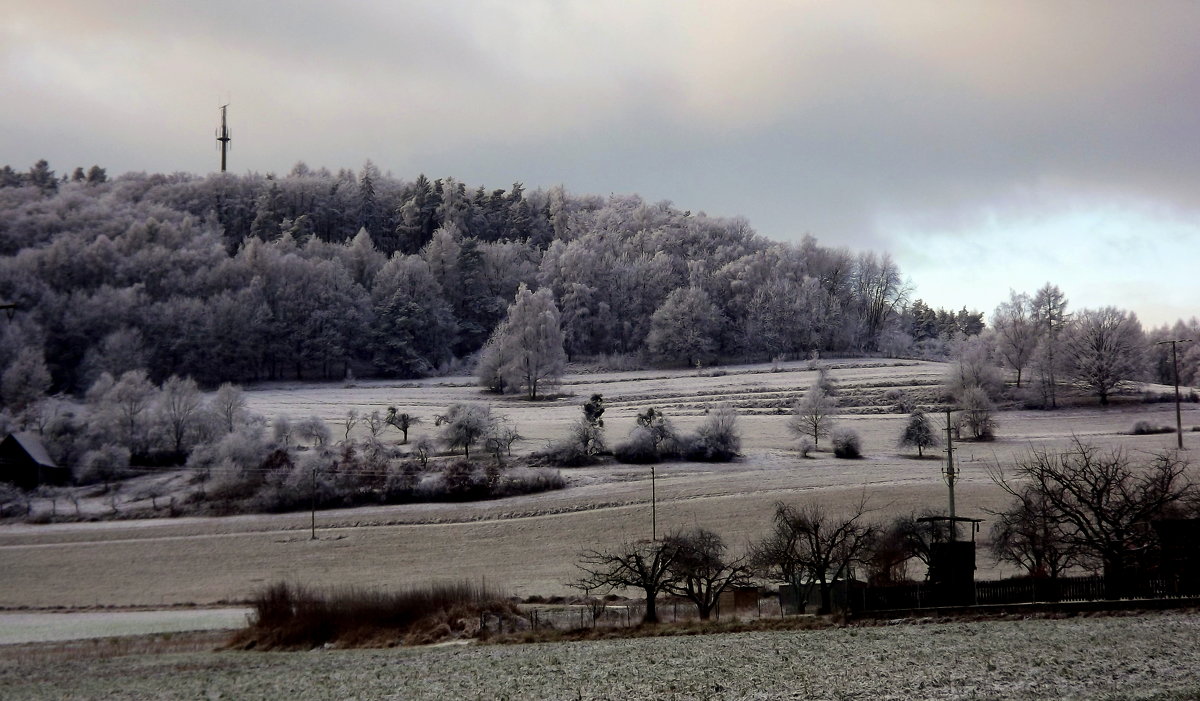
229 278
1079 509
313 274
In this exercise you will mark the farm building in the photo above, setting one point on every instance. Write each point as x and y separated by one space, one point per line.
25 463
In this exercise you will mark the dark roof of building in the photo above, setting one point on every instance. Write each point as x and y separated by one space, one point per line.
33 447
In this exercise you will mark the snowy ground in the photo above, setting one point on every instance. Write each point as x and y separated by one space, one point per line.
37 627
1151 656
529 544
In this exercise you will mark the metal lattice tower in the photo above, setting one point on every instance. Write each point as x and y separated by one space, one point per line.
224 136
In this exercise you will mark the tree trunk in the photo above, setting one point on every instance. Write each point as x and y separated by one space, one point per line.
651 615
826 599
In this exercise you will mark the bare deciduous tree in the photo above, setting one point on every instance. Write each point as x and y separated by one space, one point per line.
229 406
1016 332
1030 535
178 408
1101 502
1106 348
812 416
402 421
647 566
808 548
703 571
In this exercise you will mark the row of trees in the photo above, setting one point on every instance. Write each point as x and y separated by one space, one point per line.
1082 508
236 278
1097 349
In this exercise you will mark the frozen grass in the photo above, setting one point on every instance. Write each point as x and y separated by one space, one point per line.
531 542
26 627
1149 656
291 617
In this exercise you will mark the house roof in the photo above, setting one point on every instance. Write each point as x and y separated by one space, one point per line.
33 447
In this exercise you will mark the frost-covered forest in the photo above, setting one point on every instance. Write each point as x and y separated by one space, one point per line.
237 278
313 274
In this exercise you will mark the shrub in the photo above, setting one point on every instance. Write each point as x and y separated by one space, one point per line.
526 480
464 481
717 439
806 447
584 441
900 401
1145 428
292 617
104 464
245 448
639 448
846 443
976 414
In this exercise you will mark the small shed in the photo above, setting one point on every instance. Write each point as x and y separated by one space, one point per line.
25 463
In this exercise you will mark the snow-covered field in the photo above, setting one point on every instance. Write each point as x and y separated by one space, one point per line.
36 627
1150 656
530 544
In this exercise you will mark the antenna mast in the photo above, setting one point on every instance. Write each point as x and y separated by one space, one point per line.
224 136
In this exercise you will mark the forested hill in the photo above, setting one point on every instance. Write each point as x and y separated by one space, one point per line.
245 277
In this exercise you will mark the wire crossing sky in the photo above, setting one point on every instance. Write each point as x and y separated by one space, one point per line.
984 145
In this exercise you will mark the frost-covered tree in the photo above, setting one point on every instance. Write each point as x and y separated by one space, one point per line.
919 433
465 424
124 404
1049 313
179 408
25 381
413 328
684 329
1016 332
1106 348
228 405
976 411
314 430
972 366
526 350
812 416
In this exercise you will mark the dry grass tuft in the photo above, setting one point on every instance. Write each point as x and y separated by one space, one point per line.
290 617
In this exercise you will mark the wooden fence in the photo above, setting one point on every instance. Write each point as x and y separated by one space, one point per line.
1022 591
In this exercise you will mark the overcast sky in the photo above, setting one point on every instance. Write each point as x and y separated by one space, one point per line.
984 145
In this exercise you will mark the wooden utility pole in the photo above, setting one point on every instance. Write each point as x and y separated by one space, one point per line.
224 136
653 507
950 474
313 503
1175 364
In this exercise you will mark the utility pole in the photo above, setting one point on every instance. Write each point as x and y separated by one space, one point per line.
1175 364
653 507
313 503
224 136
950 475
